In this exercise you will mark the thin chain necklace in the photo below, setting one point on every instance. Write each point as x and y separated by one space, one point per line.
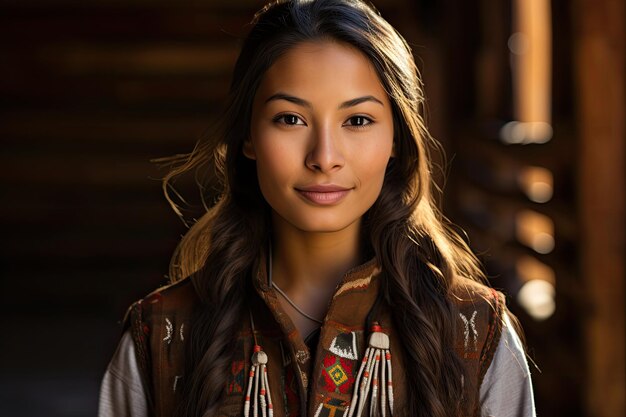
273 284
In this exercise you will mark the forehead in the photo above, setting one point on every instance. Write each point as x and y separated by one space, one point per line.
322 68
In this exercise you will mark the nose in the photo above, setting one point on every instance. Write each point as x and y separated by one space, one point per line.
325 154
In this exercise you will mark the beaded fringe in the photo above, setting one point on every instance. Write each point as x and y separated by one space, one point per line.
258 389
375 371
258 378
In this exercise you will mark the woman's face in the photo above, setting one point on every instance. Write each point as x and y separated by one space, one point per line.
321 135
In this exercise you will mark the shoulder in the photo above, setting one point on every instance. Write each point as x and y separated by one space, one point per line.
179 291
468 292
477 299
480 313
176 298
158 325
478 302
160 316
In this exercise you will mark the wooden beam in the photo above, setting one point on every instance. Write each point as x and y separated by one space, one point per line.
599 85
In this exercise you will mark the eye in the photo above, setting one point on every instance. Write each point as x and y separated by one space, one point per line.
358 121
289 119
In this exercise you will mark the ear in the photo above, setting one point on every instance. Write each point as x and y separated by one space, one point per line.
248 149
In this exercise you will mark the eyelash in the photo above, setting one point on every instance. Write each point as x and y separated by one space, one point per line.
362 126
282 117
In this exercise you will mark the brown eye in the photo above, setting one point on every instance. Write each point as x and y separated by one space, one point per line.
358 121
289 119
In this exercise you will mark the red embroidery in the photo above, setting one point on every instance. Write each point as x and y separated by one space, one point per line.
236 380
338 374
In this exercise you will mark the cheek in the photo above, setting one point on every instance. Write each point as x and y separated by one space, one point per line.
372 167
374 177
278 153
275 168
374 158
269 169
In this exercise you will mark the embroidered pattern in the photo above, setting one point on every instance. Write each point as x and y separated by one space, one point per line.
357 284
302 356
331 407
236 378
470 325
169 328
344 346
337 374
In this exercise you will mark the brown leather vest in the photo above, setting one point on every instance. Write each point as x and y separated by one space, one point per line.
324 383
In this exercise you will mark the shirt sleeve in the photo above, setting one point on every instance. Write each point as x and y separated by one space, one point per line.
506 390
122 393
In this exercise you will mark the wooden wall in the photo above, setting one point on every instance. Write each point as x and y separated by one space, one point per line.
599 61
90 92
579 350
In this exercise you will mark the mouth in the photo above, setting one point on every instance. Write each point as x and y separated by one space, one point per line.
324 194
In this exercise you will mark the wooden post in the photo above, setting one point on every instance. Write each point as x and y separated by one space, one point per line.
531 47
599 83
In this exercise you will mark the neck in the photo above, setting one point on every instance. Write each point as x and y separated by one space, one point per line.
313 261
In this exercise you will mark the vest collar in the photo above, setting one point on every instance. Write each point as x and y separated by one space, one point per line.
363 271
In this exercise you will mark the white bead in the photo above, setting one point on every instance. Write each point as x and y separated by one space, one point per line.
379 340
259 358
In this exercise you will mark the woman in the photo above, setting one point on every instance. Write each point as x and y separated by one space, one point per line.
324 281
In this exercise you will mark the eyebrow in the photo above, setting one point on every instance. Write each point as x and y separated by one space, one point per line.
301 102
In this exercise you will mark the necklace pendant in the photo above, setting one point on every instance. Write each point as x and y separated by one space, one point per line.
258 394
374 379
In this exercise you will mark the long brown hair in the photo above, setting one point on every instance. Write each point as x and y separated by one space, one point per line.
413 242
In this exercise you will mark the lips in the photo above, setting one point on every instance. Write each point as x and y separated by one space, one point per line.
324 194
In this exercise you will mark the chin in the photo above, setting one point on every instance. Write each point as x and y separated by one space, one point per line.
324 225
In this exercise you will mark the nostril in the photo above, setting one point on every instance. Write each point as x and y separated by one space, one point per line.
324 155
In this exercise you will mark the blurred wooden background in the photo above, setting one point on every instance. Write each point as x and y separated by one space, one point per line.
90 92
